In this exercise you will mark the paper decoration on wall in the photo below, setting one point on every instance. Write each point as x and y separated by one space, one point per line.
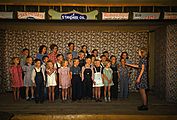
31 15
72 15
145 16
114 16
6 15
170 15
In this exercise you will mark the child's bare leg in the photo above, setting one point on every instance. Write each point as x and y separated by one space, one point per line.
32 92
109 93
66 93
18 93
99 92
96 95
63 94
93 92
14 94
70 92
27 90
53 93
49 94
105 90
143 96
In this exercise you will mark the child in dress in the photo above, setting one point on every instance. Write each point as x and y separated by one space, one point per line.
75 72
92 64
57 66
123 74
16 77
93 58
65 79
107 74
53 54
98 81
38 80
51 80
70 64
27 69
87 78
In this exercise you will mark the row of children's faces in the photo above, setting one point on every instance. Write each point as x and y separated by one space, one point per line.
64 63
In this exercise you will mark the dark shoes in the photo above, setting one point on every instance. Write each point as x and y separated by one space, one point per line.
98 100
143 108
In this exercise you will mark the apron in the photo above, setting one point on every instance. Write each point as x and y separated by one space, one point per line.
98 79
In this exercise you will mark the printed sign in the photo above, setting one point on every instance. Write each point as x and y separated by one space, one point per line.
6 15
31 15
145 16
170 15
115 16
72 15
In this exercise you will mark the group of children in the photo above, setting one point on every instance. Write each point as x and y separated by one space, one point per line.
71 75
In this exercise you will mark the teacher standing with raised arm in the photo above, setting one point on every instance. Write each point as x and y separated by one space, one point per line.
141 81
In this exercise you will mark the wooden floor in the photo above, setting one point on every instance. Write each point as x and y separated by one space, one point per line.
86 109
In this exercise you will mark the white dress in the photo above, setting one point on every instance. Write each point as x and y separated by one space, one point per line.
51 80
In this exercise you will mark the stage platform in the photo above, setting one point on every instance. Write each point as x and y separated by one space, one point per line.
86 110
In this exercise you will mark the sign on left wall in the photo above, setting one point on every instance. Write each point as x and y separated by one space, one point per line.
6 15
31 15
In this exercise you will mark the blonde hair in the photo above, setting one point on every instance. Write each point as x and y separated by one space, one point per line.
107 61
75 59
63 62
143 52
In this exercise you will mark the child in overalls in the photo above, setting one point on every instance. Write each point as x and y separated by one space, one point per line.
38 81
87 78
75 72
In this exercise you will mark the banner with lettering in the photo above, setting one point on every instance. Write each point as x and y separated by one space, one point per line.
145 16
31 15
6 15
72 15
114 16
170 15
